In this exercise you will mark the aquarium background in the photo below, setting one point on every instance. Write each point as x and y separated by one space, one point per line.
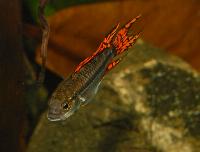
77 28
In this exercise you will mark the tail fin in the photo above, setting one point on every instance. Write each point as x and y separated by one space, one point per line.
122 40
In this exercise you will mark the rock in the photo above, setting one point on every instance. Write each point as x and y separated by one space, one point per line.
150 102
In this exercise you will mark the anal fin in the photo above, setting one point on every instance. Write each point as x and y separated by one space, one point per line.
113 64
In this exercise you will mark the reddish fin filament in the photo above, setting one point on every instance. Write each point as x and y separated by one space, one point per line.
113 64
121 43
105 44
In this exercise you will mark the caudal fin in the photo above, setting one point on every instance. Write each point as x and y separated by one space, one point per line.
119 40
122 40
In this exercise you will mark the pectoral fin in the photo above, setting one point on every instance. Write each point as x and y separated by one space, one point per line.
88 94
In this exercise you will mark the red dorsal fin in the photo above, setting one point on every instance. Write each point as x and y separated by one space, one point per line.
105 44
107 40
120 40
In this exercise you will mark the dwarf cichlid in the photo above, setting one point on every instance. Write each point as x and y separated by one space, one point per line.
82 85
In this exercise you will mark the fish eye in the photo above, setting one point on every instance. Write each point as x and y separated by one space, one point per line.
65 105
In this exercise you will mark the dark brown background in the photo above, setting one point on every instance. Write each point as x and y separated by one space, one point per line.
12 73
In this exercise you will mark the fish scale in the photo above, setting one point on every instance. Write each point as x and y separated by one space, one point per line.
91 71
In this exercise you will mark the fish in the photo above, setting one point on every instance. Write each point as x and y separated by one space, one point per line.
82 85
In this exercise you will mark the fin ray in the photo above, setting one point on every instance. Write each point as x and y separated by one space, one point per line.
113 64
120 41
105 44
123 41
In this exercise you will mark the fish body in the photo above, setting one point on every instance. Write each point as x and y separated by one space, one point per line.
82 85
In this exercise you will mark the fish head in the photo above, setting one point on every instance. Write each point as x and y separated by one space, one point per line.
61 107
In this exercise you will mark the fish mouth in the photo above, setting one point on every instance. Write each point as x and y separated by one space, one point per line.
57 116
54 114
53 117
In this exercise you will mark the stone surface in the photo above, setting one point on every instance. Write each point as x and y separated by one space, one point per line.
149 103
